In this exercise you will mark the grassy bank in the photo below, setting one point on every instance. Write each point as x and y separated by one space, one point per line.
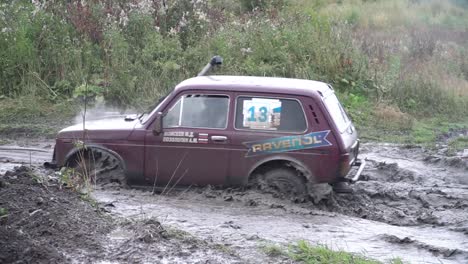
400 67
28 116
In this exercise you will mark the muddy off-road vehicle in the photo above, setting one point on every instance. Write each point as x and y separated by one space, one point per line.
223 131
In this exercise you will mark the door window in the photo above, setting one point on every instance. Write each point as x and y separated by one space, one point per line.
285 115
198 111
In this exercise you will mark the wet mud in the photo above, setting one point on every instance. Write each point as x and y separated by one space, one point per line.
43 222
407 186
412 203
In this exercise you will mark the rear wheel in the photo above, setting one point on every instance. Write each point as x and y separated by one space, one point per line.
286 181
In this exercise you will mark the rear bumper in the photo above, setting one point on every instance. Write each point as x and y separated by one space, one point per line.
355 177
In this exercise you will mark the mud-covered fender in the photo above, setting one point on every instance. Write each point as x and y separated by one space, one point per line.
75 150
284 158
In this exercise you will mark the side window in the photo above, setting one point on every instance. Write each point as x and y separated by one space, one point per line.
199 111
285 115
337 112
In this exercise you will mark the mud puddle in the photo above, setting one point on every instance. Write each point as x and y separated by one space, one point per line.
412 204
26 151
247 228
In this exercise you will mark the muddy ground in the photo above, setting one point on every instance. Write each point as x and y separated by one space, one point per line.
412 204
44 222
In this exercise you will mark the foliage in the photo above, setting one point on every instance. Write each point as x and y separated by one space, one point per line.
273 250
428 132
29 116
305 252
409 56
459 143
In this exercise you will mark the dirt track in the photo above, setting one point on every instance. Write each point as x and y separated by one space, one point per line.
412 204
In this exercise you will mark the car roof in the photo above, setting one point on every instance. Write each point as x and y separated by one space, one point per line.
255 84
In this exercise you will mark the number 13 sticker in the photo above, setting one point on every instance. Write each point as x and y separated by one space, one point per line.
262 113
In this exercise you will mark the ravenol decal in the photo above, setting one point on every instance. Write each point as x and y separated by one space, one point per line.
288 143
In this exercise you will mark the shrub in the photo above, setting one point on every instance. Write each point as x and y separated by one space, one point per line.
408 54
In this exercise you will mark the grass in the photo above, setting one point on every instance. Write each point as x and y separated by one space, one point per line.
304 252
307 253
426 131
395 13
32 117
90 200
273 250
458 144
387 123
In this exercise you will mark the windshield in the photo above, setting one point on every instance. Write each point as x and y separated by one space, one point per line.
337 112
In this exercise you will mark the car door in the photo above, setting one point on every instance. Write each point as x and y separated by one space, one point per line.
193 147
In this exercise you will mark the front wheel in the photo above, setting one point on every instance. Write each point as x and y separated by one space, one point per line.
98 167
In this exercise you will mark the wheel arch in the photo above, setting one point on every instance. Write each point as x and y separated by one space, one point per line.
278 161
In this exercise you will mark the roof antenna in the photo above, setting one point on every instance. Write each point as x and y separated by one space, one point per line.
215 61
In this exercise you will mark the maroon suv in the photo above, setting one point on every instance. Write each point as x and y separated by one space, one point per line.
224 130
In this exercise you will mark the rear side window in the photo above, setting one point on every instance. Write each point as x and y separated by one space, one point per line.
337 112
198 111
285 115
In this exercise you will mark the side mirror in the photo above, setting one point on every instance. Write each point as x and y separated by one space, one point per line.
158 126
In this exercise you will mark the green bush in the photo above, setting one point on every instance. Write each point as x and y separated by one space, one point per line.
369 55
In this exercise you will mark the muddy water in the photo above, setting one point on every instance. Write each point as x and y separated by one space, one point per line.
27 151
408 206
412 204
247 228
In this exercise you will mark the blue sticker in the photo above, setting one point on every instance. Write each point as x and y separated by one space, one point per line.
288 143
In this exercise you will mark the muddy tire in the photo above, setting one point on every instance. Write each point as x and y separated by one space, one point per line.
285 181
98 166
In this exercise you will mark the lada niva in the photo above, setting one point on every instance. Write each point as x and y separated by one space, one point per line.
224 131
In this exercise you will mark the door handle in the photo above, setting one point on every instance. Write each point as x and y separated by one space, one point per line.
219 138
